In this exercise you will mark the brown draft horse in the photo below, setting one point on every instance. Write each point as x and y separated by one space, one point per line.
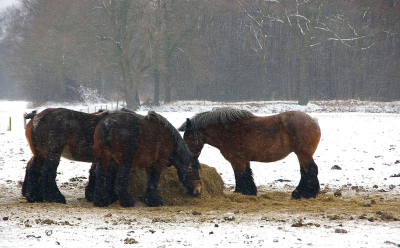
53 133
151 143
243 137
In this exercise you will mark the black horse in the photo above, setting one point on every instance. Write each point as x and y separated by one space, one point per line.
53 133
149 142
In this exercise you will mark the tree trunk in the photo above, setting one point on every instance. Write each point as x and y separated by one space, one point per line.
167 88
360 78
132 102
131 96
157 87
304 80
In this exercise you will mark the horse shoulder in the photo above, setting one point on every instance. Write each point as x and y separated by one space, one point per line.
155 133
155 144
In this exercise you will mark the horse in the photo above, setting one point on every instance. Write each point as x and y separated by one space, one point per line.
53 133
151 143
242 137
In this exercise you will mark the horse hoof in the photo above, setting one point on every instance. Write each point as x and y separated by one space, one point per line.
127 204
100 203
246 192
34 199
56 199
89 195
89 198
62 201
34 196
154 202
114 198
296 194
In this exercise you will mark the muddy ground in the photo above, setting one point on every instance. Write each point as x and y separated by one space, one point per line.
233 219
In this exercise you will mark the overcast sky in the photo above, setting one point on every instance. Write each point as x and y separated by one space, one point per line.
6 3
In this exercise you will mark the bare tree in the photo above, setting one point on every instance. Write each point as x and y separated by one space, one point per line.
311 23
173 30
120 27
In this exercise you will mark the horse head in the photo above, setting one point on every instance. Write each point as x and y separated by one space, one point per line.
187 167
192 138
186 164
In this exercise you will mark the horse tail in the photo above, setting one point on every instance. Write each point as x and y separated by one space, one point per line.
154 117
31 127
108 124
30 115
30 131
29 134
315 119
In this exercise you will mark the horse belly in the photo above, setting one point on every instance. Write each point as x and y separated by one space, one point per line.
270 156
81 155
270 149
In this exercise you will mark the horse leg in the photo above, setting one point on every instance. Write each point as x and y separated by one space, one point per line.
309 185
125 199
100 197
112 171
244 180
24 184
152 197
49 188
110 181
31 186
89 190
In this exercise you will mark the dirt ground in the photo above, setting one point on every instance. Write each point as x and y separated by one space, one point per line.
333 211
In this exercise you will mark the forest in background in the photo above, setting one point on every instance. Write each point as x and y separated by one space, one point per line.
220 50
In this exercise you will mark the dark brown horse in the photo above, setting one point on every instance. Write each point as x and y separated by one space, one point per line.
53 133
151 143
243 137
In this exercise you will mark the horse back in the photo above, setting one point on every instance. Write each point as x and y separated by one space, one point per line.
294 126
131 136
265 139
65 132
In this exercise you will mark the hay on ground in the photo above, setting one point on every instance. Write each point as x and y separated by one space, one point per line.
171 189
215 197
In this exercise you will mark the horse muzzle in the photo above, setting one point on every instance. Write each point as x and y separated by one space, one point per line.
197 187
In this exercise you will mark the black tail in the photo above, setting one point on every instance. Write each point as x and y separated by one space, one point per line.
30 115
108 124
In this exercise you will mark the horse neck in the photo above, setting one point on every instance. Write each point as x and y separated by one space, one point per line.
213 135
178 146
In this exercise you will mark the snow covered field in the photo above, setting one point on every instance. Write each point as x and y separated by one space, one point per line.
362 138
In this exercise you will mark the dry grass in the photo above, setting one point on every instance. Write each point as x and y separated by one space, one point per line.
172 190
217 198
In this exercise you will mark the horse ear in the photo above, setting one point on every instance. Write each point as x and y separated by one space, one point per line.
188 124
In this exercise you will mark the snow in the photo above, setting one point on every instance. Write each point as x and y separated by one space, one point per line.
363 138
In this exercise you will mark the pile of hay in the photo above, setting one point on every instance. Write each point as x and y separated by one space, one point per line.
171 189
